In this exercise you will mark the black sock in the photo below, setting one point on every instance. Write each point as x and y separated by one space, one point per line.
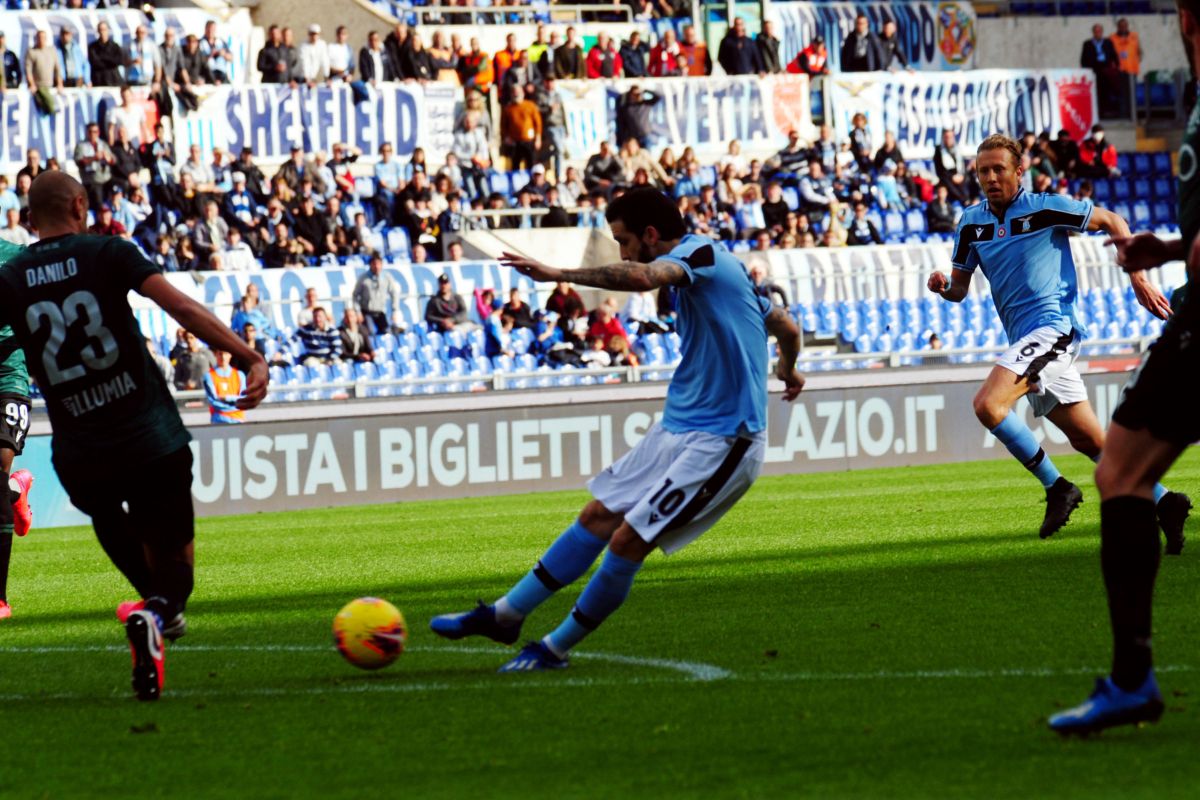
173 579
13 496
124 549
1129 555
6 540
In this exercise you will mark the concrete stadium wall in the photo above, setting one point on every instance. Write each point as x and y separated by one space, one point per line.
290 458
1052 42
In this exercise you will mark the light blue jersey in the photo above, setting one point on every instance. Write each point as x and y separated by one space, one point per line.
1027 259
720 386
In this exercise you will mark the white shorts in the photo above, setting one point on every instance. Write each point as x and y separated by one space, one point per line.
672 487
1047 358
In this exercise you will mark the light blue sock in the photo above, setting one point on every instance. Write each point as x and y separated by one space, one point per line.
1016 436
572 553
603 595
1159 489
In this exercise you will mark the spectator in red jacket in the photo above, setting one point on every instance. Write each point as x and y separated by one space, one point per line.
604 59
607 325
1097 156
812 60
663 55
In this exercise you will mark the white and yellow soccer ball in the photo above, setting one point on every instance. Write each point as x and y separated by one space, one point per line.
370 633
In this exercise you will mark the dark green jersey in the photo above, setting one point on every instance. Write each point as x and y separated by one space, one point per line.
14 378
1189 192
67 300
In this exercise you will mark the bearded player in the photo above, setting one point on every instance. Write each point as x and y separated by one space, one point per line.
1020 240
693 466
1155 422
15 517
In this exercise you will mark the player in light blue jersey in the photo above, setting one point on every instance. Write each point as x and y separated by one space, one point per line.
1021 241
693 466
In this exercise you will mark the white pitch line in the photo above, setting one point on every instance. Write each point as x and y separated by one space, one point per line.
692 670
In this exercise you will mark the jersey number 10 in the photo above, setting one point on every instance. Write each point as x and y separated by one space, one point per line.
79 305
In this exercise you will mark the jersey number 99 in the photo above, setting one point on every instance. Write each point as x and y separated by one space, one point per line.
99 353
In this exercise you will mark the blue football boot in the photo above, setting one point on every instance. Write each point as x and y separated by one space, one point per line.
535 657
1110 705
480 621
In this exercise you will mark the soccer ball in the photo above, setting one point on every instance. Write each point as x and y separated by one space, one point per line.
370 633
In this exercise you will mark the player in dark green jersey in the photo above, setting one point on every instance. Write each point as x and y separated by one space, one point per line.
1155 421
119 446
14 426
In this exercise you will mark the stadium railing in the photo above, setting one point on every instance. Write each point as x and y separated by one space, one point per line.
1073 8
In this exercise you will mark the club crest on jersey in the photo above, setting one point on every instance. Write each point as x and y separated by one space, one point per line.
1022 224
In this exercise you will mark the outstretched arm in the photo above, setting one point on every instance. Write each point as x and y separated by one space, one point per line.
200 321
1115 225
787 336
628 276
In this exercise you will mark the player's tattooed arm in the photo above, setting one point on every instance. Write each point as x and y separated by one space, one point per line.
629 276
787 336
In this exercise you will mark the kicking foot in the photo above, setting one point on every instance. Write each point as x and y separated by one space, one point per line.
1061 499
535 657
5 609
1110 705
480 621
22 513
1173 512
146 646
173 630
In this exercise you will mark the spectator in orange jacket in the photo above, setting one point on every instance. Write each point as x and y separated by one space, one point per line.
521 130
505 58
604 60
475 69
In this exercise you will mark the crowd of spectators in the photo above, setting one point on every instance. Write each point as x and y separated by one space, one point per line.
192 212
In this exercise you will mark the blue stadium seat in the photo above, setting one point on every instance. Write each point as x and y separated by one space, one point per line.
1162 164
1120 188
1123 210
1162 213
500 183
1162 94
1141 213
1141 189
396 240
914 221
365 371
481 366
1164 188
502 364
893 224
1102 190
1124 162
1141 164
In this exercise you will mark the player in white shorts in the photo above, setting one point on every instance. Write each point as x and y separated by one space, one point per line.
1021 242
693 465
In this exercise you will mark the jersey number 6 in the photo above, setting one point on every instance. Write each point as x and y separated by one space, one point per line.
77 304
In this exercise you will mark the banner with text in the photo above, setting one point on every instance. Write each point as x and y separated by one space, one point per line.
345 460
932 36
237 32
268 119
918 106
703 113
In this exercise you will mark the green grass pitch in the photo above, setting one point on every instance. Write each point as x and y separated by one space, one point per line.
895 633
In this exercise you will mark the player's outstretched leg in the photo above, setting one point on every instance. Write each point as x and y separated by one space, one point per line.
571 555
602 596
144 633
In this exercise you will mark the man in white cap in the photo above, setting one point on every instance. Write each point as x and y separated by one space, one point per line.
314 57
